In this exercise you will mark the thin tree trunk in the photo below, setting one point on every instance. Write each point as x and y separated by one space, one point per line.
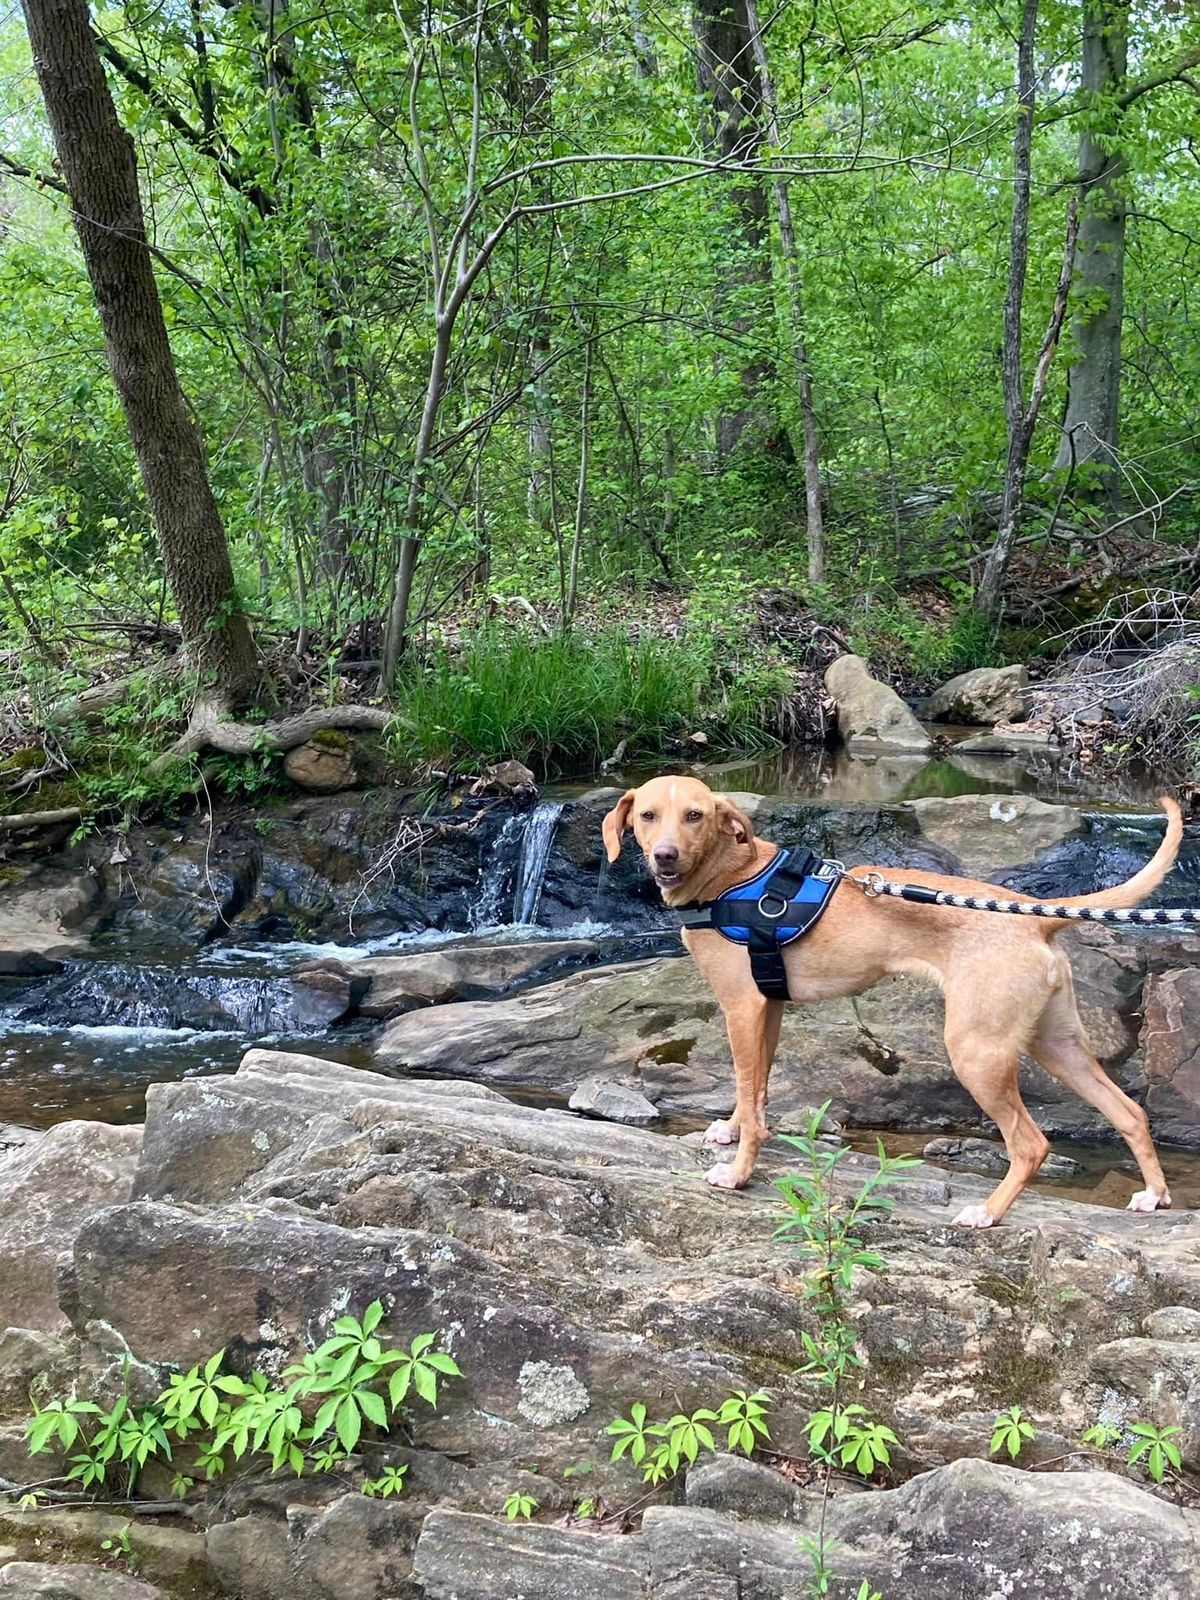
585 444
1091 424
725 59
98 162
643 48
795 309
536 115
1021 425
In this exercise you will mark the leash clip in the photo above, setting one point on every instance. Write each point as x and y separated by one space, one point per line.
873 884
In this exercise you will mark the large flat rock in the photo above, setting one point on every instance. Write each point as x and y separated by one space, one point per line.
990 831
879 1059
973 1529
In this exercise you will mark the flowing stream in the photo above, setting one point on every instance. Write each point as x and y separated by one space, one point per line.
88 1040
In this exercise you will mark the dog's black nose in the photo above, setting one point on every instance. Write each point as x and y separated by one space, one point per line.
665 855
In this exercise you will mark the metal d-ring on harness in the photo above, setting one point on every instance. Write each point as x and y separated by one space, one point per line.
769 911
874 883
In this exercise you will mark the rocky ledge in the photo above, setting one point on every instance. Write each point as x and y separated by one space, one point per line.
575 1268
879 1059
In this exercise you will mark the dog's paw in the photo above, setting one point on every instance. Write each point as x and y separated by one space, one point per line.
720 1133
721 1176
975 1217
1149 1200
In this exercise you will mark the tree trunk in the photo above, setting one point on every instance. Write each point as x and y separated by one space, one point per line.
536 116
1094 383
795 309
99 165
728 76
992 582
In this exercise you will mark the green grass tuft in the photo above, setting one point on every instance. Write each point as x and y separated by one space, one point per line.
564 703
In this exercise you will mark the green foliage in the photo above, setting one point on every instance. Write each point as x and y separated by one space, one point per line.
904 644
1100 1435
352 1383
624 326
561 702
390 1482
1157 1448
120 1546
1150 1445
849 1436
1011 1432
519 1507
822 1223
662 1449
823 1227
745 1415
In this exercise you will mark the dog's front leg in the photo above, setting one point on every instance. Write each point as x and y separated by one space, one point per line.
746 1020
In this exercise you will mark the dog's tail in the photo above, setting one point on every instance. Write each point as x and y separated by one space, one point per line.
1131 893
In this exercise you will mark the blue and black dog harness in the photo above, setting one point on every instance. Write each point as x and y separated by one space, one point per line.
770 910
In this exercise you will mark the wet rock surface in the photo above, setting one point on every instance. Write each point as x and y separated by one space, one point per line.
574 1267
44 918
879 1059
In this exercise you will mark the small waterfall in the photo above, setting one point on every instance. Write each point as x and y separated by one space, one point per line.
535 853
495 873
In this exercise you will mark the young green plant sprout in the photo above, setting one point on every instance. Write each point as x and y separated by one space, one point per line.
1100 1435
349 1384
849 1437
520 1507
1011 1432
389 1482
661 1449
1156 1447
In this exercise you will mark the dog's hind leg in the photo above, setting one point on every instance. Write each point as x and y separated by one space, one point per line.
1059 1046
987 1069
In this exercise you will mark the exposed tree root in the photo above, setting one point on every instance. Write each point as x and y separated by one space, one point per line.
210 730
17 821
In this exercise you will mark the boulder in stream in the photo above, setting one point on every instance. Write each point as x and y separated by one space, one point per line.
43 917
985 695
390 984
616 1099
990 831
871 713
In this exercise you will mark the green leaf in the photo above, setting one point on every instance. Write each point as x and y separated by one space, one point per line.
349 1424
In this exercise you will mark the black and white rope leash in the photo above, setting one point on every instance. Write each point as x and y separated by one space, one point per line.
874 883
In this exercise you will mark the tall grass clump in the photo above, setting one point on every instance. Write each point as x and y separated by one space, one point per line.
564 703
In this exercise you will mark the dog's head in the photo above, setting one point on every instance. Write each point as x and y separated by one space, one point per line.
681 826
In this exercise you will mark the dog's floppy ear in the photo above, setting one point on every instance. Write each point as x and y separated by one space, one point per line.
732 819
615 824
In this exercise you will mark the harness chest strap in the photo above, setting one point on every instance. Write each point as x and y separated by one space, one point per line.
770 911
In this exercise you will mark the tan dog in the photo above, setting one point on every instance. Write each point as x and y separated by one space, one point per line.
1007 988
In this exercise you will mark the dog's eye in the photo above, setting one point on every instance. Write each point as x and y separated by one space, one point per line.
647 816
694 816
